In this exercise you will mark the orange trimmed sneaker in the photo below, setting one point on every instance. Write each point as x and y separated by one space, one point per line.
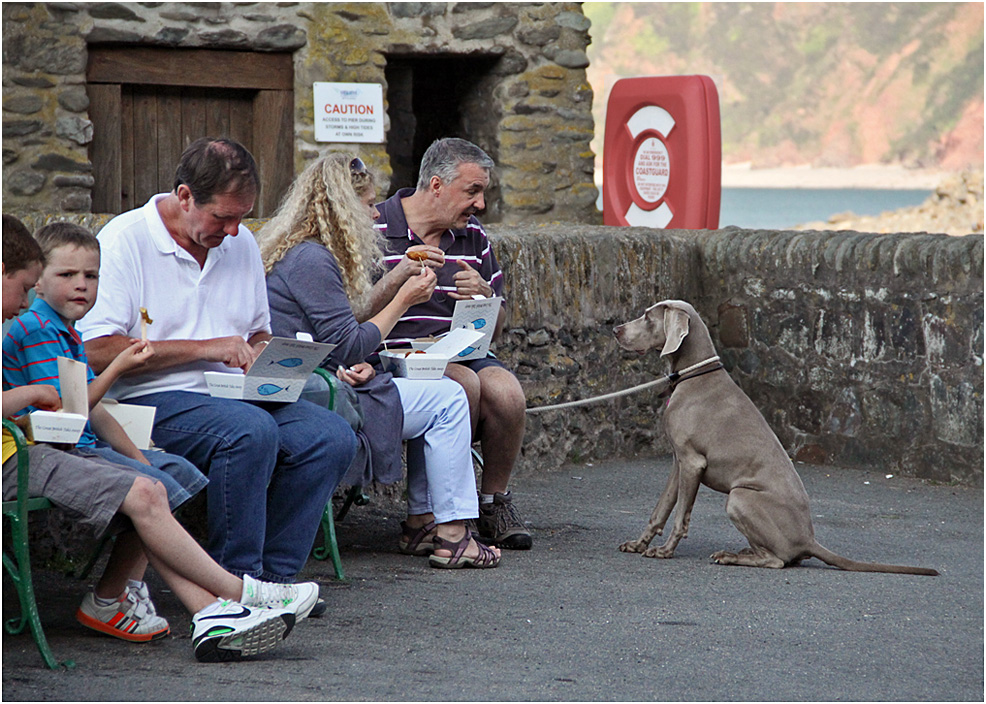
128 619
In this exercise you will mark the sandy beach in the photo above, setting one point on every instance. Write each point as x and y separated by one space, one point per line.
869 176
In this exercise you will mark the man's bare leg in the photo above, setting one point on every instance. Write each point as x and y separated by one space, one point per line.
499 424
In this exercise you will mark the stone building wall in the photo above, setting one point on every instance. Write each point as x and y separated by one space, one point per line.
860 350
530 107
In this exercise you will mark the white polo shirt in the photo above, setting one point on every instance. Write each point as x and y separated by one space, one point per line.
142 266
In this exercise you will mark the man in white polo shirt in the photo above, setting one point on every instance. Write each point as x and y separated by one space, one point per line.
186 258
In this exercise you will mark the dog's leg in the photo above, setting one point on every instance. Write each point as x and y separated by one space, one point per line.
748 557
757 520
690 472
659 516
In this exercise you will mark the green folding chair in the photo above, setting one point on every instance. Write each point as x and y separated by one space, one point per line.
17 562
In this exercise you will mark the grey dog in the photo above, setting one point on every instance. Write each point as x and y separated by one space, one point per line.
720 439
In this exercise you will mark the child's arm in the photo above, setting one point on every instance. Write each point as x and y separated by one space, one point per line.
132 357
43 396
110 431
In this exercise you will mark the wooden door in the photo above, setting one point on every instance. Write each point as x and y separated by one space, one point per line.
147 105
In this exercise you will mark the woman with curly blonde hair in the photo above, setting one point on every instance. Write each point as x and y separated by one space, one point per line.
320 252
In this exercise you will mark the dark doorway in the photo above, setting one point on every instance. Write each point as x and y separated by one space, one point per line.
431 97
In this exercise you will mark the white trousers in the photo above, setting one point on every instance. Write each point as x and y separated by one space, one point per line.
440 477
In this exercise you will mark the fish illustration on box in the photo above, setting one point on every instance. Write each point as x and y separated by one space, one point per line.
270 389
480 315
278 374
467 351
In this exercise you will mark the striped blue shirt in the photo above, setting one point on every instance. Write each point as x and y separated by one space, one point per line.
31 349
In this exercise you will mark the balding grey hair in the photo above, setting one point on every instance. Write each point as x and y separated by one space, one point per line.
443 157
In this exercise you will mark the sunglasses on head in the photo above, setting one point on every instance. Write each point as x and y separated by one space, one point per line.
356 166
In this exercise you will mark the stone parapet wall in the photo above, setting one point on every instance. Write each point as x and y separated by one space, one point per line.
531 109
860 350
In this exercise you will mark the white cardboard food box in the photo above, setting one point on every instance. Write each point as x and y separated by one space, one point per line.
477 314
278 374
430 364
137 421
67 424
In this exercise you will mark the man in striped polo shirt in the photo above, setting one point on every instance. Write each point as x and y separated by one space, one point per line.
438 218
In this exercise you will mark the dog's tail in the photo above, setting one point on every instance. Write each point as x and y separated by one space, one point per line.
844 563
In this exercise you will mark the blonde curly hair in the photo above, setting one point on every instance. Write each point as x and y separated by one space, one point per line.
323 205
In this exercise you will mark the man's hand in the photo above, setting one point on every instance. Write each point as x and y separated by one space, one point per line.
356 375
418 257
468 283
233 351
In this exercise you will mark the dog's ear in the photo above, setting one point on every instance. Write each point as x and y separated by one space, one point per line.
675 329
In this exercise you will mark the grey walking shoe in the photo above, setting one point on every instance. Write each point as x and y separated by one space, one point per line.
501 525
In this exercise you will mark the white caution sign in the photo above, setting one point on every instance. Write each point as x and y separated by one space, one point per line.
348 112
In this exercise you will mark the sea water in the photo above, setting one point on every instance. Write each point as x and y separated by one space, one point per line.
782 208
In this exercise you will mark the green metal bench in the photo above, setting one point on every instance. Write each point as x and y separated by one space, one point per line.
355 495
17 562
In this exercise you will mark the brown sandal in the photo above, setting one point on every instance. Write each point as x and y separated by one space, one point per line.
416 541
485 559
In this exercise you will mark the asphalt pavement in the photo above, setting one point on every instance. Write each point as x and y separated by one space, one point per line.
574 619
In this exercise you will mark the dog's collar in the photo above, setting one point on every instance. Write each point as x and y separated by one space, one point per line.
675 378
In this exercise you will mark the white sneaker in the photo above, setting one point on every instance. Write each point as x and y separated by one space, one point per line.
127 618
232 631
297 598
143 594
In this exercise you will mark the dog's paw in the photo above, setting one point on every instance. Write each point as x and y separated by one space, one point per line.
632 546
660 551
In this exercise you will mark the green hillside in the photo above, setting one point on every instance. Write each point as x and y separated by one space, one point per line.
830 84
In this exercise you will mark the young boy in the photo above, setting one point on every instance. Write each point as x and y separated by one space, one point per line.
66 291
103 495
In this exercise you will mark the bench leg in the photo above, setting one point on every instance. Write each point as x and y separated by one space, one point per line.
19 569
330 547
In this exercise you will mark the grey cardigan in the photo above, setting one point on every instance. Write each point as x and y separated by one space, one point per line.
306 294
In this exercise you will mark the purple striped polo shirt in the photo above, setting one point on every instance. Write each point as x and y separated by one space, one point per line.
469 244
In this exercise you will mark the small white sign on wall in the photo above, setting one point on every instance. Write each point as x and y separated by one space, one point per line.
348 112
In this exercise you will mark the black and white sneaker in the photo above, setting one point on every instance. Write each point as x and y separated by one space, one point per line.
233 631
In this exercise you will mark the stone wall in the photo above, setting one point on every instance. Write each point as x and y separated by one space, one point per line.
530 109
861 350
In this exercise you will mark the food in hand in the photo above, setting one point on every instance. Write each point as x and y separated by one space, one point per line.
418 256
145 320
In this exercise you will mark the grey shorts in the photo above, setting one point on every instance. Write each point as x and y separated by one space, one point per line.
83 484
477 364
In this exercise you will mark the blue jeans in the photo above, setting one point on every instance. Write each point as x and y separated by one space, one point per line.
272 467
180 477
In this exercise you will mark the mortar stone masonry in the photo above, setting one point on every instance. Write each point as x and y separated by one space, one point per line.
531 112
